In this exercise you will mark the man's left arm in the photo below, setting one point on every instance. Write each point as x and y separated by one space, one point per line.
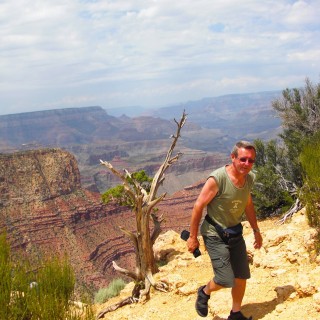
252 218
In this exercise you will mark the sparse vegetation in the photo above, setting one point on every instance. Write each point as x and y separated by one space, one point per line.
273 193
118 193
113 290
43 293
290 171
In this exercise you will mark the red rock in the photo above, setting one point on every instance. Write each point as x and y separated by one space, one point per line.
46 211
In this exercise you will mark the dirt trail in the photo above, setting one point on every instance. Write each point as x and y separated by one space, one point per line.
284 283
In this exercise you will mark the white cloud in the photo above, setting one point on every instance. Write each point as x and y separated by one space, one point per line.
303 13
311 56
127 52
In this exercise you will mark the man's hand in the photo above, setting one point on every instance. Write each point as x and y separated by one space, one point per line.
257 240
192 244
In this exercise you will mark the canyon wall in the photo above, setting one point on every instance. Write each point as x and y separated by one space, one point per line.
45 211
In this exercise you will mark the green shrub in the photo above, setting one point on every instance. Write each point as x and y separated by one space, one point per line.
55 284
112 290
116 194
269 194
119 194
310 192
40 293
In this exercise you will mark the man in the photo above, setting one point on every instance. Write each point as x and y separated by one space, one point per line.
226 194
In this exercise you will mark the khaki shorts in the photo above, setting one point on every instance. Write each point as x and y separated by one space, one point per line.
229 261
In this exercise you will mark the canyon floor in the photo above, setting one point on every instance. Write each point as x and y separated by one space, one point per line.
284 284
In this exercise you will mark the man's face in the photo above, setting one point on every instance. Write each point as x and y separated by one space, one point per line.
244 161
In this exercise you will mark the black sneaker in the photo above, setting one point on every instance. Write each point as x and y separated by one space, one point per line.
202 302
238 316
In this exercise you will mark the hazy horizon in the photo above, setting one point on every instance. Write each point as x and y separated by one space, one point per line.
135 110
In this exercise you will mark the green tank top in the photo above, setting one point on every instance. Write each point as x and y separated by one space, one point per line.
228 206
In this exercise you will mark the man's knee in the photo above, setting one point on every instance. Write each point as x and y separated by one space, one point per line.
240 282
225 282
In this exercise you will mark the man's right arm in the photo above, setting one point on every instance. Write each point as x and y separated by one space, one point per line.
207 193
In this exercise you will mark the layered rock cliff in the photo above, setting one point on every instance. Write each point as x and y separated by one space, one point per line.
45 210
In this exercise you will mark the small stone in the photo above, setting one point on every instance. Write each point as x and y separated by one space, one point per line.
280 308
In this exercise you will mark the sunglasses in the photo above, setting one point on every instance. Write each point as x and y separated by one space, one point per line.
246 159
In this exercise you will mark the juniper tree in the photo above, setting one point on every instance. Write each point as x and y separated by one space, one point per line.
299 110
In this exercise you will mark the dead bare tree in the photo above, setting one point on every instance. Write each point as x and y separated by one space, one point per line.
292 188
297 206
143 206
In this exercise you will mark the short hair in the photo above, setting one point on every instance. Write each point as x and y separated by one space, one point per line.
242 144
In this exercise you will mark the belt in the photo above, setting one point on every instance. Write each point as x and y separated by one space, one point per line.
227 233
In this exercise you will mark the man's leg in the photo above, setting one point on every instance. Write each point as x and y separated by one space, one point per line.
204 296
223 273
211 286
240 265
238 293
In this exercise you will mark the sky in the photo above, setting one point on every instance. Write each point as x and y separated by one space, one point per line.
77 53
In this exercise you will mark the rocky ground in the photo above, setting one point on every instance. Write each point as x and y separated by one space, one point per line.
285 282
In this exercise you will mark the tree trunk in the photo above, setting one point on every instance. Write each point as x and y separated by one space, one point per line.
143 206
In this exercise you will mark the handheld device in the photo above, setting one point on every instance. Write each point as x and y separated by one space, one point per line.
185 236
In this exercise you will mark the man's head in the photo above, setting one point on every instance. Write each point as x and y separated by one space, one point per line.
242 144
243 156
